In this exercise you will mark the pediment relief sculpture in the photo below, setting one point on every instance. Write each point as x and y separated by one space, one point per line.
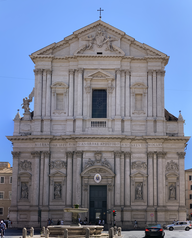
99 74
58 164
172 166
97 40
138 165
59 85
98 161
138 86
25 165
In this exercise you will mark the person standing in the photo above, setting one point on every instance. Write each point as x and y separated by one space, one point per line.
3 227
135 224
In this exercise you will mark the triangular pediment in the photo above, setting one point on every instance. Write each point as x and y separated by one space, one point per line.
138 174
100 74
98 39
57 174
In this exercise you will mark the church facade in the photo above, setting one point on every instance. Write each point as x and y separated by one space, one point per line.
99 135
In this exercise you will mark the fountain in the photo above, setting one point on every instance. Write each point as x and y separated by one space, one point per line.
76 229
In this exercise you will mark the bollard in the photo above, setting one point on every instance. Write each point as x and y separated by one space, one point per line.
115 230
66 233
87 234
31 232
43 230
46 233
24 232
111 232
119 231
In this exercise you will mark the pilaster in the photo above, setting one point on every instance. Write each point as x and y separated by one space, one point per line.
69 155
78 176
127 179
181 157
161 185
35 177
154 94
16 156
150 178
122 164
46 178
117 178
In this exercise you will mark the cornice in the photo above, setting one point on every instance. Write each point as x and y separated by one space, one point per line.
147 139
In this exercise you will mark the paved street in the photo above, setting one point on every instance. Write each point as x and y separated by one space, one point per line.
14 233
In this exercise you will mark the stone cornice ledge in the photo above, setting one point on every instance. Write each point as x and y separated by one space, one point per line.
95 137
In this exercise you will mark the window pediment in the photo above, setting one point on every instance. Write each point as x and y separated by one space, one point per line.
99 74
57 174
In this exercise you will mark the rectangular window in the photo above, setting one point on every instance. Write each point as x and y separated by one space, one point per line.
190 196
1 195
190 206
99 104
10 194
2 180
1 211
190 177
10 179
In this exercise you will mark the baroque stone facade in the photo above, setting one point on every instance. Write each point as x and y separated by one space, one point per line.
134 148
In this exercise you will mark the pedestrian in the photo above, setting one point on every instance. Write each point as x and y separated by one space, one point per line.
61 222
103 222
135 224
3 227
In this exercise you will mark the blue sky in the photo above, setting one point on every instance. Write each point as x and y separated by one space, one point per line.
29 25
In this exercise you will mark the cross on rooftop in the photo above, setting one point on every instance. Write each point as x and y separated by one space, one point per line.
100 12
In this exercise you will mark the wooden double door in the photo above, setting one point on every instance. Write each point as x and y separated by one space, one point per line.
98 204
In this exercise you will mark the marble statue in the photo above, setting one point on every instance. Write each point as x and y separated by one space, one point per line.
172 192
24 190
57 190
138 191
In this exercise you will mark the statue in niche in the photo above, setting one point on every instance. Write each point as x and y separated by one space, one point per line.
25 104
57 190
24 190
139 191
172 192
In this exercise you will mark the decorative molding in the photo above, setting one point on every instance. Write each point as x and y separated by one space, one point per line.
25 165
150 154
87 89
110 89
58 164
172 166
97 161
138 165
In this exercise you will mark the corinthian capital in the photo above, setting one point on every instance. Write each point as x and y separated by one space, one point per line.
15 154
36 153
181 155
80 70
117 71
161 154
71 71
46 153
78 154
127 155
117 154
150 154
69 154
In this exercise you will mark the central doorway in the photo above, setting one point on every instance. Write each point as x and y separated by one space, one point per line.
98 204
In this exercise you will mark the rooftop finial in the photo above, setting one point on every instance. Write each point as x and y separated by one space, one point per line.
100 12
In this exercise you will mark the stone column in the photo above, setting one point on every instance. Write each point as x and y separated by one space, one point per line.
150 94
39 93
36 71
69 155
150 178
154 94
181 157
44 94
122 93
127 94
35 177
161 185
117 178
79 101
127 179
159 94
162 93
41 181
88 95
122 179
78 177
48 94
14 198
155 178
71 73
110 92
46 178
118 101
